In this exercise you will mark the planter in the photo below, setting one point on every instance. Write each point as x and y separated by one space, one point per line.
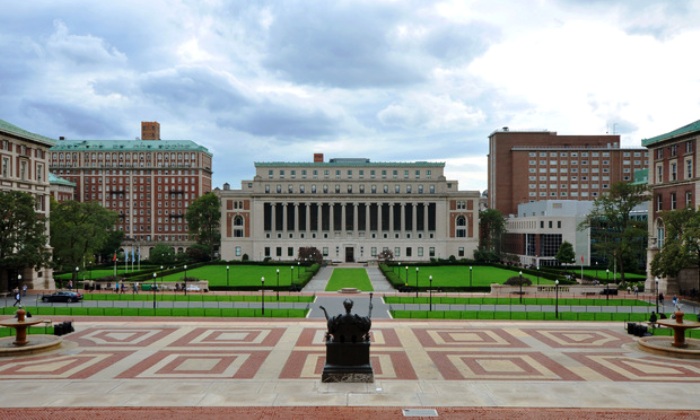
679 317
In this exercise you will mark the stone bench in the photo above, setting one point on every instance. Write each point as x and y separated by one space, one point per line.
349 290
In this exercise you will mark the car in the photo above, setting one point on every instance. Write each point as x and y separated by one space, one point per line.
62 296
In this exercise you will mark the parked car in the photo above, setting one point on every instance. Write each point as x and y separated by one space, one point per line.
62 296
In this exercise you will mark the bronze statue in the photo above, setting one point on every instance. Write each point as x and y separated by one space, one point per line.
348 327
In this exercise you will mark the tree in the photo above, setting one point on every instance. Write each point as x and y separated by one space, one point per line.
566 254
310 254
492 227
111 244
204 220
79 230
198 252
681 248
619 235
162 254
385 255
23 241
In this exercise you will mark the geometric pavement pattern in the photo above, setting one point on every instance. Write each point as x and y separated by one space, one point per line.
282 349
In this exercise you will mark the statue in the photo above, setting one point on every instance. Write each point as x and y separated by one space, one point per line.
347 346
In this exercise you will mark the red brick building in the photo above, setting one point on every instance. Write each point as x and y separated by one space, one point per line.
528 166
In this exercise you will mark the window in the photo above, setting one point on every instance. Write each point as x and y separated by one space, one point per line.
688 168
659 202
461 227
688 198
431 251
674 171
659 173
673 201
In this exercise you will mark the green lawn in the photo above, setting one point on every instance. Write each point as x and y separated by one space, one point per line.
602 275
459 276
196 297
349 277
487 300
242 275
532 316
195 312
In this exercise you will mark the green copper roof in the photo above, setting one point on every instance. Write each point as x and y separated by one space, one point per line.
129 145
55 179
8 128
686 129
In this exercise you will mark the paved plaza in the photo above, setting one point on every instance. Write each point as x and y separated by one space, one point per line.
417 365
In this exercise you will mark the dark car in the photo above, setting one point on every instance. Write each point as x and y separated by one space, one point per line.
62 296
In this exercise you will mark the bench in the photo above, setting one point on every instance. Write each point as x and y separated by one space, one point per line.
349 290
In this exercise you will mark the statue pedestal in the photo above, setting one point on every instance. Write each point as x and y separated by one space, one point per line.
347 362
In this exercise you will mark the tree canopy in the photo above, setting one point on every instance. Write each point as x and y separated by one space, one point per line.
79 231
23 240
619 236
681 247
204 220
492 227
162 254
566 254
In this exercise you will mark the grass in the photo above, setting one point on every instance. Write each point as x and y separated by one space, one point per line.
194 297
164 312
349 277
459 276
594 302
524 316
241 275
602 275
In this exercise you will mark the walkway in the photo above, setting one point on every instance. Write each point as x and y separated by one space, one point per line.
447 366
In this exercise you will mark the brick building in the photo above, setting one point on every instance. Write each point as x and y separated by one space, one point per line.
674 185
542 165
349 209
149 183
24 167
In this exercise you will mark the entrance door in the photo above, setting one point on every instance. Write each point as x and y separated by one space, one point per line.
349 254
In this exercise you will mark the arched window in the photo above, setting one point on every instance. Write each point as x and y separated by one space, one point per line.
461 223
238 227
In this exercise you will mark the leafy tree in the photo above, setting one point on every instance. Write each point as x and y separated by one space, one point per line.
385 255
79 230
162 254
492 227
620 236
22 233
682 245
566 254
110 245
198 252
204 220
310 254
517 281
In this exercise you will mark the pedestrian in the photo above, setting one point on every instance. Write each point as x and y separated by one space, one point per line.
661 299
24 289
18 297
70 284
675 300
636 291
116 287
136 287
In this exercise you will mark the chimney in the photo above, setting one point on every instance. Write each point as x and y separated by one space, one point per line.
150 130
318 157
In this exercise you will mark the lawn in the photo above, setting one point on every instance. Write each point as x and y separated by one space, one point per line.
602 275
240 275
349 277
460 276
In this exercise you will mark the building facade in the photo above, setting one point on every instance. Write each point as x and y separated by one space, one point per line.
542 165
674 185
350 210
537 232
24 167
61 189
149 183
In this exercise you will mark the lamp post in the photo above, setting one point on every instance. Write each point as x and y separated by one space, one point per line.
406 281
185 279
154 290
19 281
291 275
298 269
470 275
77 269
596 270
656 280
430 293
521 287
227 269
556 299
262 293
607 292
607 275
278 284
399 265
538 274
416 280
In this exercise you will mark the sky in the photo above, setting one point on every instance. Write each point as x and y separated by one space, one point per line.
388 80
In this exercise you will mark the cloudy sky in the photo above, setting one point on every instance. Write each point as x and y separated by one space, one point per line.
260 81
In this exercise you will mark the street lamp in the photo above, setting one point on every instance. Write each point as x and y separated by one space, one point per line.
406 281
538 274
291 275
596 270
399 265
278 284
262 292
416 280
185 279
298 269
77 269
227 268
470 275
430 293
19 281
607 275
556 300
154 290
521 287
656 280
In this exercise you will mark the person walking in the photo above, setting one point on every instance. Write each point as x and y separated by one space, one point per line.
18 297
24 289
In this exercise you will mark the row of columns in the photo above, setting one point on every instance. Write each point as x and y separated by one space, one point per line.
344 209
